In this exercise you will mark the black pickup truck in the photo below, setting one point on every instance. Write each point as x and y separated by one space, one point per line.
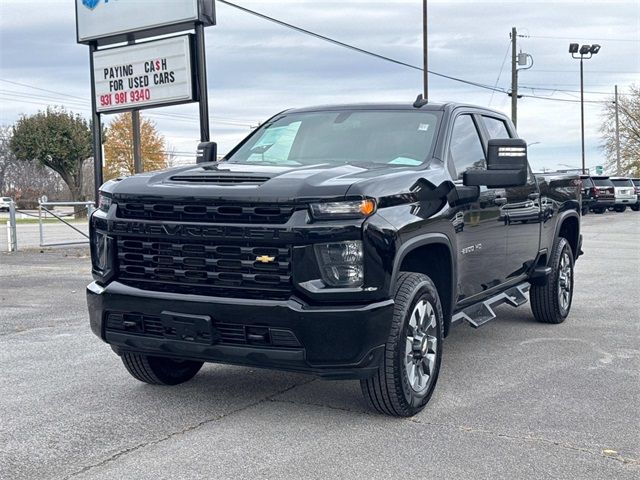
340 241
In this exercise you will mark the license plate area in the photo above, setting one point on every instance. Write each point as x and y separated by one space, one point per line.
188 328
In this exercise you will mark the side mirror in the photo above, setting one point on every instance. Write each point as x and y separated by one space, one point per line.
207 152
507 165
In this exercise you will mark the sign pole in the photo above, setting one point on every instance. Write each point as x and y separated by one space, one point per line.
137 143
203 95
96 125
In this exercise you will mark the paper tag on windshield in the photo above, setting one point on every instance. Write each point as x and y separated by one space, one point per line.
423 127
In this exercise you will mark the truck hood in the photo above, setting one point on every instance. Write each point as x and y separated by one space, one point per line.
254 183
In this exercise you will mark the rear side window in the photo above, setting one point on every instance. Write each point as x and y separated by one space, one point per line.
496 128
587 183
622 183
602 182
636 182
466 149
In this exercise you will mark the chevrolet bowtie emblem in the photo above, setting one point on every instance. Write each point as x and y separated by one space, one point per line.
265 259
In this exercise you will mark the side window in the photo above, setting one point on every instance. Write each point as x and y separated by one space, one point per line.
496 128
466 150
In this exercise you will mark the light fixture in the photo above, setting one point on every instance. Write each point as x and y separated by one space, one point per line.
595 48
573 48
585 49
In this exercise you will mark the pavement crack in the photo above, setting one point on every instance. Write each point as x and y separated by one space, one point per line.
183 431
610 454
531 438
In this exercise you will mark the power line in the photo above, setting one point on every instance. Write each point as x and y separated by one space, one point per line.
354 48
550 37
504 60
380 56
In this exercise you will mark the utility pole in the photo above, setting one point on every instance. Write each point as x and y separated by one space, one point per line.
514 78
618 168
137 145
425 39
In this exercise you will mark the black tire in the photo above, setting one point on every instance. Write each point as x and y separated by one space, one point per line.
551 303
158 370
599 211
585 210
391 391
635 207
620 208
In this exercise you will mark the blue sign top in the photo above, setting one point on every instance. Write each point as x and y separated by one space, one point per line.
90 4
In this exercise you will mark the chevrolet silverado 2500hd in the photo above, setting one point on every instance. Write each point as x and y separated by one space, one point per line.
340 241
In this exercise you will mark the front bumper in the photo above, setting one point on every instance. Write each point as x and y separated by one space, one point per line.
333 341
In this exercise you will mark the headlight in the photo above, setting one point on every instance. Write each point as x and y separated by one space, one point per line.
335 210
104 202
100 253
341 263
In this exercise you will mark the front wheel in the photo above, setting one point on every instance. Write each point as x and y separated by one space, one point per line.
408 374
551 303
159 370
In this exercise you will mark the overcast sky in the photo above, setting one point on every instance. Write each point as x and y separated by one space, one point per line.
257 68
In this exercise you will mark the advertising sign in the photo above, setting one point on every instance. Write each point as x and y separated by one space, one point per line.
110 21
144 75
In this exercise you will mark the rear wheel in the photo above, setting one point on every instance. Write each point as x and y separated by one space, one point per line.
635 207
408 374
598 210
158 370
620 208
551 303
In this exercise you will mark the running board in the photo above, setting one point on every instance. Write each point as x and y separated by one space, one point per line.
481 313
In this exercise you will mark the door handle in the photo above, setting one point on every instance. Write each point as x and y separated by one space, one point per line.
500 201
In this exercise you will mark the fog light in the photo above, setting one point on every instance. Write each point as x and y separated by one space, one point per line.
341 263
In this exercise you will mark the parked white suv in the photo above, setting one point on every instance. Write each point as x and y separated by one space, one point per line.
5 202
625 193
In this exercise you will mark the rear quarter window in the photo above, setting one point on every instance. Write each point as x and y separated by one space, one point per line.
622 183
602 182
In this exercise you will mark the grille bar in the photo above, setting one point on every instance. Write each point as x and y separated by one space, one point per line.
189 266
202 211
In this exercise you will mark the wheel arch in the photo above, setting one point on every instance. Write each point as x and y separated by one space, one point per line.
433 256
568 227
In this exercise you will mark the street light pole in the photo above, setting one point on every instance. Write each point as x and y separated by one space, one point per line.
582 111
585 50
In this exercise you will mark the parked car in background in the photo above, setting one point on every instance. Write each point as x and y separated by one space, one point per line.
636 185
5 203
625 193
601 195
587 186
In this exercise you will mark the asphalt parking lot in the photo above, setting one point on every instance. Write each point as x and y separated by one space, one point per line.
516 399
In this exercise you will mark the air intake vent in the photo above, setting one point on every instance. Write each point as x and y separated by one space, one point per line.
220 179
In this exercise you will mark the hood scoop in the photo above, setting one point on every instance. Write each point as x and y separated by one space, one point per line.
218 178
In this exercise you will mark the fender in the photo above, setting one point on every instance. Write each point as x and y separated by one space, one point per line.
421 241
562 216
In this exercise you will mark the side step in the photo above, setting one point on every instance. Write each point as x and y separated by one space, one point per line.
481 313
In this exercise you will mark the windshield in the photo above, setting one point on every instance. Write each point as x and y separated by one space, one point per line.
400 138
622 183
602 182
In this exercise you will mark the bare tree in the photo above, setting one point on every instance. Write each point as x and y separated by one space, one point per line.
629 120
